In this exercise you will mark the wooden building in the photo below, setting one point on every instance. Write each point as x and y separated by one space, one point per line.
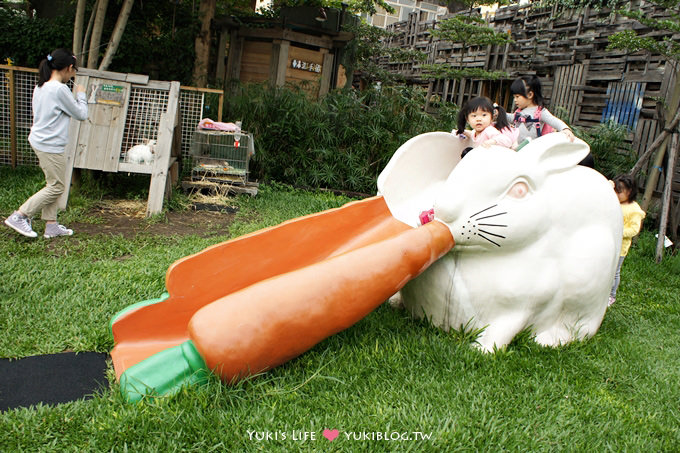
304 46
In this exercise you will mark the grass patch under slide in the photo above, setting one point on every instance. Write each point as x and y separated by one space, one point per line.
387 376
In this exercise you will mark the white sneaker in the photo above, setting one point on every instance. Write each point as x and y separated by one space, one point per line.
21 224
52 230
611 301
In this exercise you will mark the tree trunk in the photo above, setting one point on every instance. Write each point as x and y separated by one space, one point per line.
667 196
78 30
206 12
88 32
93 55
117 34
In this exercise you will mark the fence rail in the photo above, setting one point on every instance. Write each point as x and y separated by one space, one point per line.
16 114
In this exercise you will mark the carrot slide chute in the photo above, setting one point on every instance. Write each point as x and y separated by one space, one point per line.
150 327
275 320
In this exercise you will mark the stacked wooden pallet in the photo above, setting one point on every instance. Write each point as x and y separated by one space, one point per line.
566 48
583 81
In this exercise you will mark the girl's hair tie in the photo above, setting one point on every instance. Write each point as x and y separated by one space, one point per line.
49 57
495 105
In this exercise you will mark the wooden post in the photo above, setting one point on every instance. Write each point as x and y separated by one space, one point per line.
653 177
667 199
220 109
221 52
71 150
326 73
162 161
233 71
279 62
12 118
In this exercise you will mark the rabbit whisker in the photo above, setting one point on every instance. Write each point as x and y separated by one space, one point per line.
484 237
483 210
493 234
493 215
492 224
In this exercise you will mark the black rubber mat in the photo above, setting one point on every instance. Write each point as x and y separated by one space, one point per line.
51 379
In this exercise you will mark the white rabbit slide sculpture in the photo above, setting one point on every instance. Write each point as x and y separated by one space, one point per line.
537 236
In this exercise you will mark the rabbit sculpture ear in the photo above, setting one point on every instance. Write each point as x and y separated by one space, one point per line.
417 171
555 153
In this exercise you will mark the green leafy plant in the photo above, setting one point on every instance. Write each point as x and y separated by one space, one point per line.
367 51
467 29
342 141
666 44
613 154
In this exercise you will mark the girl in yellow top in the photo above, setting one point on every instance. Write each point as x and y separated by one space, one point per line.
626 190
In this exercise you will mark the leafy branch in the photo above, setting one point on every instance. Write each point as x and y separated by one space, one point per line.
468 30
443 71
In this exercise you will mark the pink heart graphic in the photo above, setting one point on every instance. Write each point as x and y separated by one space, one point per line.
330 434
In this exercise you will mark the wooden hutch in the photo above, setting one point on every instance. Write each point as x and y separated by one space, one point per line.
304 45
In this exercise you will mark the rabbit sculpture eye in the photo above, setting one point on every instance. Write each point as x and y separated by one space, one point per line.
519 190
537 237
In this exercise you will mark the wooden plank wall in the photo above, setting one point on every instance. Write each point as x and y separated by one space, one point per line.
582 81
566 48
255 61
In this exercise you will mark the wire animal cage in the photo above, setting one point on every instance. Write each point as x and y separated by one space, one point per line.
125 110
220 156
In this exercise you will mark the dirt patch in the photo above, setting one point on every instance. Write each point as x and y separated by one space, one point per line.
127 218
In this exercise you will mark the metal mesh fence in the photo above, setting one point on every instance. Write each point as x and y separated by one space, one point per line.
191 105
220 156
143 116
24 82
5 125
17 93
195 105
144 112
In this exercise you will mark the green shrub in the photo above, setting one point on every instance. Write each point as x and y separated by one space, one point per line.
613 155
158 39
26 41
342 141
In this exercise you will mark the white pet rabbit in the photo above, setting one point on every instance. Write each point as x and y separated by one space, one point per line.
537 242
142 154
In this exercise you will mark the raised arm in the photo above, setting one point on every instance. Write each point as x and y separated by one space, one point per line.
74 107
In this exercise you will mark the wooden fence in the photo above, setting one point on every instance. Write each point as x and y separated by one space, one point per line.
16 117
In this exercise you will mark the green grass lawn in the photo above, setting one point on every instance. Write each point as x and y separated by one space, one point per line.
386 376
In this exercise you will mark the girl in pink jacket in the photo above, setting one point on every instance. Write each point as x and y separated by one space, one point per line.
489 123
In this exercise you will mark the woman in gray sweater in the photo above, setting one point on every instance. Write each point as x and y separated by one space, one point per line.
53 107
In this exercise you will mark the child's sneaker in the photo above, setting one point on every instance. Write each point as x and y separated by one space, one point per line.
21 224
52 230
611 301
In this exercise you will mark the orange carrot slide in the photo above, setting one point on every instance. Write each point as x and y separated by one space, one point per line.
257 301
275 320
149 327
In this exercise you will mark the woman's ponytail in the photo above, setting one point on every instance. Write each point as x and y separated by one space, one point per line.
44 72
56 60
